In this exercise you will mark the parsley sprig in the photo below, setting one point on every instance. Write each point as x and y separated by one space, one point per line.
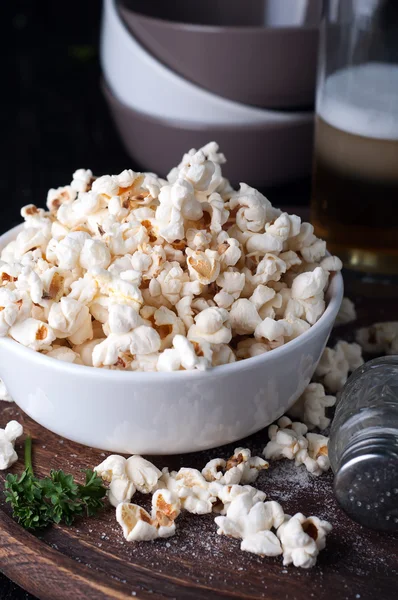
37 503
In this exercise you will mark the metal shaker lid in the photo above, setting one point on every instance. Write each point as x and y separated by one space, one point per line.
366 486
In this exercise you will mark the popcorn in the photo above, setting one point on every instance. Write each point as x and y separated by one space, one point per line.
137 524
203 266
244 317
142 473
239 468
263 543
33 333
65 354
286 439
310 407
335 365
211 325
302 539
113 471
254 210
123 318
70 319
82 180
225 494
191 488
245 517
315 458
347 312
379 338
58 196
139 273
8 435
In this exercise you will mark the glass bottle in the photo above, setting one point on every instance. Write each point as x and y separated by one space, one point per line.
363 445
355 180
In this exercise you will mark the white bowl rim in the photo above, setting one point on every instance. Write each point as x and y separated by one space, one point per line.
112 19
335 292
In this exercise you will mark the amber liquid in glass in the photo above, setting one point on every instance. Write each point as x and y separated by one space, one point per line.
355 192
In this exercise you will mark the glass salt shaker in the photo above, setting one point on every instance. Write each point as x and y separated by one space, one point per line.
363 445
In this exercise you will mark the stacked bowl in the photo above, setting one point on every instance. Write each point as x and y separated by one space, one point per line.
179 74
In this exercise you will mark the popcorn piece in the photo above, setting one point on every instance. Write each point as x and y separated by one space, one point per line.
241 467
82 180
244 317
176 203
113 471
347 312
335 364
8 456
254 210
225 494
33 333
58 196
65 354
263 543
203 266
142 473
70 319
245 518
315 458
12 308
191 488
136 523
302 539
211 325
123 318
379 338
286 439
331 263
311 406
94 254
166 507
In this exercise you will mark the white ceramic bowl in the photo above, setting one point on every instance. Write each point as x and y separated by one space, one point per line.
141 82
164 413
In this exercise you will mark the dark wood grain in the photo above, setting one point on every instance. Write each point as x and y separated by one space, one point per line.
92 559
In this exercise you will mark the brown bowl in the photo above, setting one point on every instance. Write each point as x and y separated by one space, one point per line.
262 155
270 67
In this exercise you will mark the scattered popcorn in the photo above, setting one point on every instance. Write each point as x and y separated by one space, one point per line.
125 476
241 467
379 338
311 406
291 440
245 517
191 488
347 312
139 273
336 363
286 439
8 435
302 539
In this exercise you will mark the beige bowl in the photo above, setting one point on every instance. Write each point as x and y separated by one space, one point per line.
262 154
237 56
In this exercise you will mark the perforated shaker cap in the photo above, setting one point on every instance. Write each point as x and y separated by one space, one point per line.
366 486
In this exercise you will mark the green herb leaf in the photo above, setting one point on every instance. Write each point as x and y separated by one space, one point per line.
37 503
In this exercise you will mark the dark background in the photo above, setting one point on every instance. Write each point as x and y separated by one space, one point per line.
54 117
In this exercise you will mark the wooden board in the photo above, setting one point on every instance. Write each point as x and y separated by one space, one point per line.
91 560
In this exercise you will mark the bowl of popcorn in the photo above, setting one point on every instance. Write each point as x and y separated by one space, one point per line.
142 315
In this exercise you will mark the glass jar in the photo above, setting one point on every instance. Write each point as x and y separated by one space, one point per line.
363 444
355 178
